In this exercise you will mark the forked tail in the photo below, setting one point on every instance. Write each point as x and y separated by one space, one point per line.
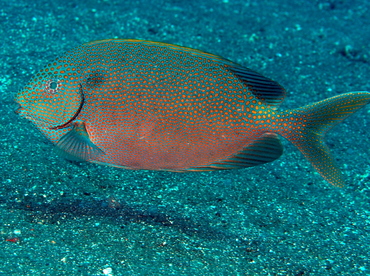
311 125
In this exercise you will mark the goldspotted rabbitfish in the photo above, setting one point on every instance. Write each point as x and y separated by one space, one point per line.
147 105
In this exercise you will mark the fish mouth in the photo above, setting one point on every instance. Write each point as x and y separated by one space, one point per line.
21 111
18 110
20 104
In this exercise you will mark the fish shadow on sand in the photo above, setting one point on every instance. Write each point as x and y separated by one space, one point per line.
117 212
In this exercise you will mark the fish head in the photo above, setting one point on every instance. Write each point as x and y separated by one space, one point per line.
52 99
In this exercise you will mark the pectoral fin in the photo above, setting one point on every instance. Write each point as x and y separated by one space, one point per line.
77 146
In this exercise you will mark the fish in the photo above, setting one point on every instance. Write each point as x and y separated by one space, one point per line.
145 105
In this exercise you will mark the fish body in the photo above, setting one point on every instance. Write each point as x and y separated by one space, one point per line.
147 105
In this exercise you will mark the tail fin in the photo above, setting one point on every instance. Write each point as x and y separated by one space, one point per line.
316 119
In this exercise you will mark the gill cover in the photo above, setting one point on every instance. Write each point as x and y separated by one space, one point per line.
50 103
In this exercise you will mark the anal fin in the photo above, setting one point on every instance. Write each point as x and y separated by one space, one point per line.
265 149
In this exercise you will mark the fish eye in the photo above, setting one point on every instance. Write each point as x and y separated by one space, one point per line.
52 86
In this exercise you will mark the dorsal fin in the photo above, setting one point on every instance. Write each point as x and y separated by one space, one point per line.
175 47
265 149
263 88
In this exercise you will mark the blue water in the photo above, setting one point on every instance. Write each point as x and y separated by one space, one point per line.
63 218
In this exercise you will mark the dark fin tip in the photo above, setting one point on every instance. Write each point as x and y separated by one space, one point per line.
265 149
263 88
